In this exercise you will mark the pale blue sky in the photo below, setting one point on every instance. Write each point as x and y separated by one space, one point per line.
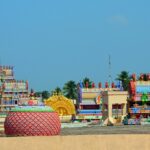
51 42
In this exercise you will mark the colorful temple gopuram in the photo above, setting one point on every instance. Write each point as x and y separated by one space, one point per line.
89 102
92 102
139 100
11 91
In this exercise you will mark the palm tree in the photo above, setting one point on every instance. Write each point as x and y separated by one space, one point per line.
70 89
124 77
45 94
57 90
87 80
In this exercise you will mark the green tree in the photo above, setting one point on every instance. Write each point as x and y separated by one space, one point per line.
124 77
87 80
70 89
57 90
45 94
38 94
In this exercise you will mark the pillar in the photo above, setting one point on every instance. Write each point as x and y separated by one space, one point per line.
109 109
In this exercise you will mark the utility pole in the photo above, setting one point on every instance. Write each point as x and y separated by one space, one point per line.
109 74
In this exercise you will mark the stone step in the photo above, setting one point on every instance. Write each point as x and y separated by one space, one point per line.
2 120
1 129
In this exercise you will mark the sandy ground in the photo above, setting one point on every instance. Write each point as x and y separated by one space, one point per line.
97 130
100 130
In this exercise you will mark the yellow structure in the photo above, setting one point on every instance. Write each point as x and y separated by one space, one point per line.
114 106
61 104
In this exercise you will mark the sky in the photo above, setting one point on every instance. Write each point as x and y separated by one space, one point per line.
51 42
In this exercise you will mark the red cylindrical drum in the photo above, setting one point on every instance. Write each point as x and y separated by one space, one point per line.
38 123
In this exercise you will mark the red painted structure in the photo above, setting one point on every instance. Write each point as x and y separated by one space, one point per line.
32 124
